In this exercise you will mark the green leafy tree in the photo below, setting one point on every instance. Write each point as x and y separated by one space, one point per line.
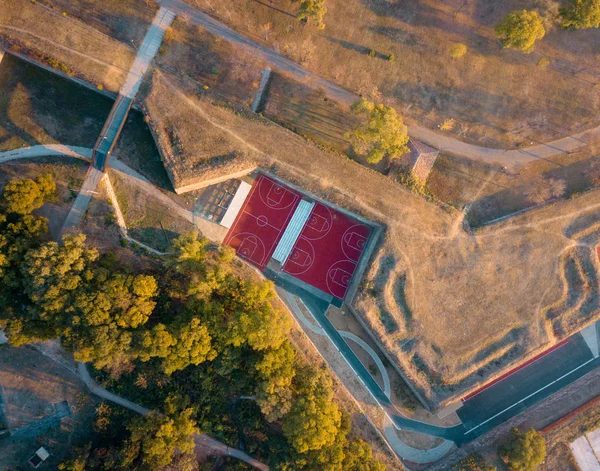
276 370
383 132
358 456
189 252
53 272
155 343
579 14
314 419
523 451
192 347
23 196
159 439
520 30
312 9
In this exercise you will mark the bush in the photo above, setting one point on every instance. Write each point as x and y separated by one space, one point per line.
543 63
457 51
524 451
473 462
448 124
391 57
371 52
169 35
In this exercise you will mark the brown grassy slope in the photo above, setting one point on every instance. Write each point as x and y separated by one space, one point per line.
501 96
451 308
212 61
125 20
84 50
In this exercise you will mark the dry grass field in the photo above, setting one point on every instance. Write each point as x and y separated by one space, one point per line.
451 308
147 219
32 99
212 61
124 20
64 43
496 96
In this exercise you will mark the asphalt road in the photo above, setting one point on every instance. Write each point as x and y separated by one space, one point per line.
485 411
318 309
526 387
336 92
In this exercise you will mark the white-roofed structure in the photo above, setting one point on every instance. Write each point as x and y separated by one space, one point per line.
236 205
292 231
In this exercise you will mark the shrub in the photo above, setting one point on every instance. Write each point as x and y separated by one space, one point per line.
371 52
448 124
391 57
457 51
543 63
473 462
169 35
524 451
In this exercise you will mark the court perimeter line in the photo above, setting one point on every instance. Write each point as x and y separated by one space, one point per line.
531 395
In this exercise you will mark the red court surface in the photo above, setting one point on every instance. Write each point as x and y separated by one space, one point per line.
327 251
261 221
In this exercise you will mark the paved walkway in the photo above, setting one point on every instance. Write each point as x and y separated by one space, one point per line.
403 450
443 143
211 231
118 114
200 439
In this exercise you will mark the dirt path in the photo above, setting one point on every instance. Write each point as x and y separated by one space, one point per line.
345 97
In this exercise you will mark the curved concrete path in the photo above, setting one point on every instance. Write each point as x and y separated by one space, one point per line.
338 93
208 229
403 450
200 439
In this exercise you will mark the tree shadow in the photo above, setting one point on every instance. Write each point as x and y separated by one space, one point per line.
358 48
512 200
64 111
287 13
308 112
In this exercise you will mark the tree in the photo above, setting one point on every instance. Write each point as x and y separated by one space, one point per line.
580 14
160 438
276 370
314 9
314 419
542 189
383 132
358 456
520 30
23 196
52 272
192 347
473 462
523 451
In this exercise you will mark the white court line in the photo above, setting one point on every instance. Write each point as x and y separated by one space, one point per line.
531 395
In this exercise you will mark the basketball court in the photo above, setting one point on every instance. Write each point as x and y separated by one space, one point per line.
311 241
328 250
260 223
